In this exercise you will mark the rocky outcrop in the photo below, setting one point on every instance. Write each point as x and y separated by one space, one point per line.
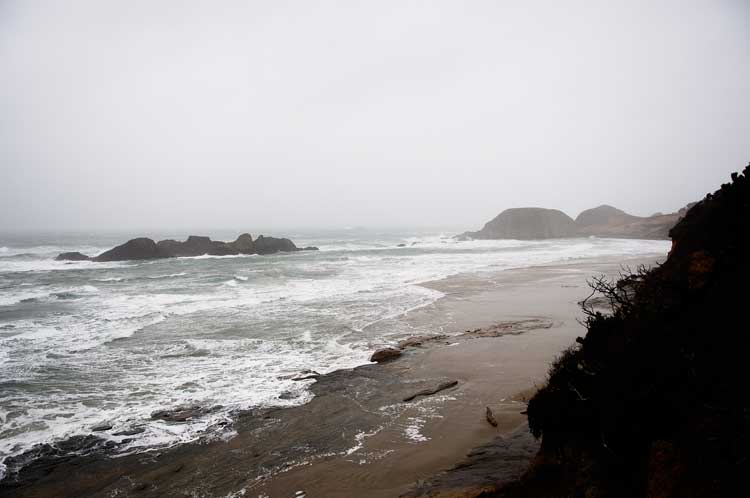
195 245
244 244
602 221
72 256
135 249
385 354
270 245
180 413
432 390
484 470
527 224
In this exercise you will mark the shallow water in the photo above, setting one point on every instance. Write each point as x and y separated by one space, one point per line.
85 343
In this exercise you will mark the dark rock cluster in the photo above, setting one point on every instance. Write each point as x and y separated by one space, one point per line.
145 248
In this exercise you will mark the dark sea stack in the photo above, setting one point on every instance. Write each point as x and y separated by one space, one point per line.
270 245
171 247
528 224
244 244
310 248
653 402
219 248
197 245
72 256
135 249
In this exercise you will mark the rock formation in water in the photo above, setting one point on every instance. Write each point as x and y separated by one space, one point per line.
72 256
602 221
653 402
244 244
270 245
135 249
195 245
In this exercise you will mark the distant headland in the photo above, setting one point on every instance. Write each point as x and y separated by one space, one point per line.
144 248
603 221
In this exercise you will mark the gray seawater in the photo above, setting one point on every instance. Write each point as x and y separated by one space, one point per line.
85 343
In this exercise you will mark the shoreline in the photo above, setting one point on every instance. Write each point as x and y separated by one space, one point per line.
357 435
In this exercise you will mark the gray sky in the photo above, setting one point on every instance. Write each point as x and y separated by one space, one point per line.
327 114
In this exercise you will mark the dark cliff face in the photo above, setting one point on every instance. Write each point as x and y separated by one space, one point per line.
528 223
653 401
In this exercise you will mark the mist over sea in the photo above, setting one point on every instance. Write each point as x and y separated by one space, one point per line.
85 343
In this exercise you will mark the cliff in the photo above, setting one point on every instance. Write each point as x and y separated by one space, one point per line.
653 401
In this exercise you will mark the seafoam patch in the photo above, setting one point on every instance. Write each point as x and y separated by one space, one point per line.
413 430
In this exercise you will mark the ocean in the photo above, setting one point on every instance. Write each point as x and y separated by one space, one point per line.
84 344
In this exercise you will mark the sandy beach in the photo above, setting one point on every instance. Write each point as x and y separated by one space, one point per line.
358 437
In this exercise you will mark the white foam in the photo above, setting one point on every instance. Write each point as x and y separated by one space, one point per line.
8 265
301 308
169 275
11 298
413 430
226 256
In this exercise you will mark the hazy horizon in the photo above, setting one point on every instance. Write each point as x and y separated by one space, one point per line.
172 115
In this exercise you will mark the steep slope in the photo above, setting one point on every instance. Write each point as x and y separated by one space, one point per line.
653 401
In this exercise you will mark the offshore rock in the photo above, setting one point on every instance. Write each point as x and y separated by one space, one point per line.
385 354
195 245
244 244
135 249
72 256
270 245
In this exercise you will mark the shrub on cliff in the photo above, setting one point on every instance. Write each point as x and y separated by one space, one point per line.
654 400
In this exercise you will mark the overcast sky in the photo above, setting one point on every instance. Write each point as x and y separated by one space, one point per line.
327 114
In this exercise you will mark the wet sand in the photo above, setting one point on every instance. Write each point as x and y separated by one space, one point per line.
357 437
